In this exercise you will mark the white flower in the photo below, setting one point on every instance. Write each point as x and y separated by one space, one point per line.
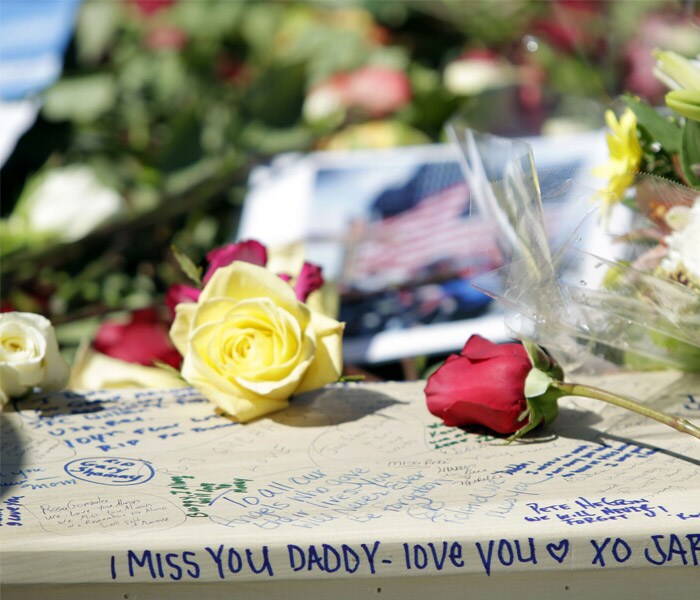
29 356
684 247
323 103
69 203
471 76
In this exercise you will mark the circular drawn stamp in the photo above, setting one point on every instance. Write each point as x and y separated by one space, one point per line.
110 470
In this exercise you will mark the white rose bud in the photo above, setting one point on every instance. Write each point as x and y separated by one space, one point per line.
29 356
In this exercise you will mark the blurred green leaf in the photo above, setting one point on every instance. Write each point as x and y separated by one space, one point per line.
182 147
81 99
263 140
690 152
188 267
260 23
277 97
97 24
209 19
661 129
685 102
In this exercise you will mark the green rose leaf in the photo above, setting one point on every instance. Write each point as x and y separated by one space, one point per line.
81 99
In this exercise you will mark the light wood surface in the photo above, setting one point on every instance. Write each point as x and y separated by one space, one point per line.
355 491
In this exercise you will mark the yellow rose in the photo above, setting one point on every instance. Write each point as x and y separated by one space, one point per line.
249 344
29 356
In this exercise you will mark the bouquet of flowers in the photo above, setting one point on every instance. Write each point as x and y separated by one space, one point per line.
654 169
637 308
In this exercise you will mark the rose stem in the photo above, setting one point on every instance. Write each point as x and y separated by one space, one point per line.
677 423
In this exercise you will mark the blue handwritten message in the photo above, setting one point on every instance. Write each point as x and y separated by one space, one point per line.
587 457
371 558
312 498
104 422
585 511
11 512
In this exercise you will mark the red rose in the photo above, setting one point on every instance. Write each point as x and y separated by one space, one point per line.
379 91
483 385
143 340
374 90
493 385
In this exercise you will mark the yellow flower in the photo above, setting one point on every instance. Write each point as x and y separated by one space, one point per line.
625 157
249 344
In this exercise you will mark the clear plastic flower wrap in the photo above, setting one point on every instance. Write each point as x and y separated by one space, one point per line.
595 305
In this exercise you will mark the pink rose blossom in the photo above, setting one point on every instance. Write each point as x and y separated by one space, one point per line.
180 292
309 280
249 251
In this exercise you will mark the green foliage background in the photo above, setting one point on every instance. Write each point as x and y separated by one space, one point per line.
174 109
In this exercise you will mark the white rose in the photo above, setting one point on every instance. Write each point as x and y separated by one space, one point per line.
69 203
684 245
29 355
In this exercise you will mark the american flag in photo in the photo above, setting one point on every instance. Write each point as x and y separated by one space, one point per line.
435 236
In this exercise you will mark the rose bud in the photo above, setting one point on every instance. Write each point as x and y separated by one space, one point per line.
310 279
483 385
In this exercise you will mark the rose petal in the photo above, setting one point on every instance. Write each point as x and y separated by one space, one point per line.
96 371
327 364
478 348
249 251
309 280
244 406
179 293
143 340
244 281
180 329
